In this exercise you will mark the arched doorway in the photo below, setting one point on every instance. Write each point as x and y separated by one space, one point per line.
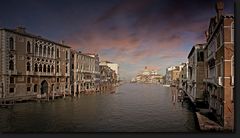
44 87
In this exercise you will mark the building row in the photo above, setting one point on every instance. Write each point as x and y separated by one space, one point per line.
148 75
32 66
208 76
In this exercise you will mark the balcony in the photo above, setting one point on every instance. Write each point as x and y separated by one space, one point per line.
210 81
13 72
87 80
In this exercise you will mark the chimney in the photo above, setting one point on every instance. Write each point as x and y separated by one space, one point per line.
21 29
219 9
206 35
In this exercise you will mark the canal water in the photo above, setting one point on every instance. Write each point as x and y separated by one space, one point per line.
132 108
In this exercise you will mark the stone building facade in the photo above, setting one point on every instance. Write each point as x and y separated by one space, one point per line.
220 67
195 86
85 76
183 77
32 66
108 78
113 66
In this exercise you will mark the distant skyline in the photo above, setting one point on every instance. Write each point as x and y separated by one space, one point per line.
132 33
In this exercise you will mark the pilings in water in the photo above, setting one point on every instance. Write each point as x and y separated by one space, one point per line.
204 122
7 104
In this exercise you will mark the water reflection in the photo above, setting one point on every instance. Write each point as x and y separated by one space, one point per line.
130 108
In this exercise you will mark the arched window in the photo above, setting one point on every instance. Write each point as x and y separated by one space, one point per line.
52 51
57 53
48 69
40 68
52 69
232 67
44 68
11 43
49 51
28 66
66 54
66 68
57 68
40 50
28 47
11 65
44 50
232 32
36 68
35 88
36 49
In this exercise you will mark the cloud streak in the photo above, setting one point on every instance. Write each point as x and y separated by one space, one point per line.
133 33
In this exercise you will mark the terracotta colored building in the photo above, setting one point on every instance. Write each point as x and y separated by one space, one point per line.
220 67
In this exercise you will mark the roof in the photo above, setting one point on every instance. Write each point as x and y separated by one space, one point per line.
32 36
105 61
194 47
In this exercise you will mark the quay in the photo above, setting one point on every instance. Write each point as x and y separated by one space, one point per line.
205 124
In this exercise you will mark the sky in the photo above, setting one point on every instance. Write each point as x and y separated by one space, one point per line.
132 33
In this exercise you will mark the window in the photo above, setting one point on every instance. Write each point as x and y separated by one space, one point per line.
52 69
36 48
44 50
57 68
11 79
11 90
11 65
28 47
11 43
28 80
28 89
35 88
52 51
28 66
57 53
66 54
40 50
232 32
44 68
200 56
48 69
66 68
232 66
57 79
49 51
36 68
40 68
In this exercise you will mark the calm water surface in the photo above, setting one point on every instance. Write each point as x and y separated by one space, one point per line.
133 108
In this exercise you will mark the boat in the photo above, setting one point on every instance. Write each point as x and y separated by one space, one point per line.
133 81
166 85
